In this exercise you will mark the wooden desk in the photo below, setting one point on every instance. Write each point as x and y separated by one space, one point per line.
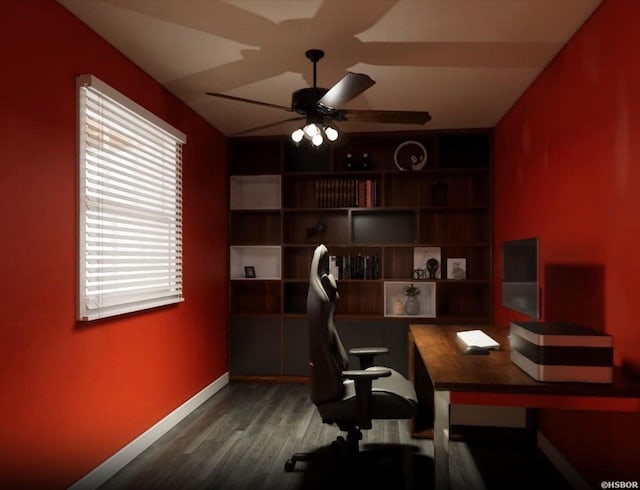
460 379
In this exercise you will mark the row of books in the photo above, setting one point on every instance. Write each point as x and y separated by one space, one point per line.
354 266
346 193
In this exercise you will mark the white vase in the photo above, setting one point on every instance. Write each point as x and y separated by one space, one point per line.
412 305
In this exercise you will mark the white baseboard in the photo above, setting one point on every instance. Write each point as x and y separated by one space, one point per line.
119 460
573 476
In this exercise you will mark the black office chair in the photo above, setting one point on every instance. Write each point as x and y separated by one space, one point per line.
351 399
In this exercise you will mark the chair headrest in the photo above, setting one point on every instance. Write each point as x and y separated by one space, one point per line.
319 269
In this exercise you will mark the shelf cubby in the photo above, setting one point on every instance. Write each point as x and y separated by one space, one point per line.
254 192
255 297
463 149
264 259
254 156
464 189
404 189
478 260
360 298
398 262
463 298
313 227
296 261
394 292
256 227
295 297
304 158
458 226
383 226
321 191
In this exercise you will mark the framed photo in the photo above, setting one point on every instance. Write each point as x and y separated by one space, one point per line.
249 272
457 268
424 257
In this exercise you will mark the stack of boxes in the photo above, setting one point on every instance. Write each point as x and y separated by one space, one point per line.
554 351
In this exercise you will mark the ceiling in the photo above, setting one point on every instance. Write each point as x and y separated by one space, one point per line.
464 61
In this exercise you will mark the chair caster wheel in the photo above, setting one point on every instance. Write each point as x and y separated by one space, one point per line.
289 466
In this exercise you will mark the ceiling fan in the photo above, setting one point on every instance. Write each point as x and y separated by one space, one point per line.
319 107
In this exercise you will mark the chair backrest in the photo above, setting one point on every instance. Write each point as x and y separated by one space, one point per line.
327 355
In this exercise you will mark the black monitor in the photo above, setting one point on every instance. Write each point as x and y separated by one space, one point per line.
520 276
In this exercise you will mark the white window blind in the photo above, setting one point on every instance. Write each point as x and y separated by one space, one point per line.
130 206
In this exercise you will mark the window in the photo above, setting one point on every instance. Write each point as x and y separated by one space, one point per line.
130 205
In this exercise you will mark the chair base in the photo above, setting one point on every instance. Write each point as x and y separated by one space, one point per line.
290 464
342 447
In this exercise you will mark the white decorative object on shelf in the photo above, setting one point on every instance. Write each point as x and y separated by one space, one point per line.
410 155
422 255
263 261
398 306
457 268
395 296
254 192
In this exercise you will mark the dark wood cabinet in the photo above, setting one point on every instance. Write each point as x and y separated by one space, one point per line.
285 200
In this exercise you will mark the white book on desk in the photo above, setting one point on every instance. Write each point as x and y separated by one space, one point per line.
477 338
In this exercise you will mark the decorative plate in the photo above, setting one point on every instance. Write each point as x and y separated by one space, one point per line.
410 155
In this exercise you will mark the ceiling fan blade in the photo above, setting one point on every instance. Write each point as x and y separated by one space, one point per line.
265 126
394 117
250 101
347 88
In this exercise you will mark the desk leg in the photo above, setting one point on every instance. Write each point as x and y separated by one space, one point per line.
441 439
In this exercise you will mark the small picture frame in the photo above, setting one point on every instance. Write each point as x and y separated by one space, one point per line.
249 272
457 268
430 260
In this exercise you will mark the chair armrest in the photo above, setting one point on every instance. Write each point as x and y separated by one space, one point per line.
370 374
359 351
363 384
366 355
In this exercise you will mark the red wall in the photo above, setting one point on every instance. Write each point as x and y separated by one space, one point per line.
567 170
71 394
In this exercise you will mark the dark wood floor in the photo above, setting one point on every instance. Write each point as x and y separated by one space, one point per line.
241 437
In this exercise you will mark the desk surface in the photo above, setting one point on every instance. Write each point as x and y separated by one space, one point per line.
452 370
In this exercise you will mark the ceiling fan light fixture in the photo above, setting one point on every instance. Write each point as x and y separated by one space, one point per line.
331 133
311 130
297 135
317 133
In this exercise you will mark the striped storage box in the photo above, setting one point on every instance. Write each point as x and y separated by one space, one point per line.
552 351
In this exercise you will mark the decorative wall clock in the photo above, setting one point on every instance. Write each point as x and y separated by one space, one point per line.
410 155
